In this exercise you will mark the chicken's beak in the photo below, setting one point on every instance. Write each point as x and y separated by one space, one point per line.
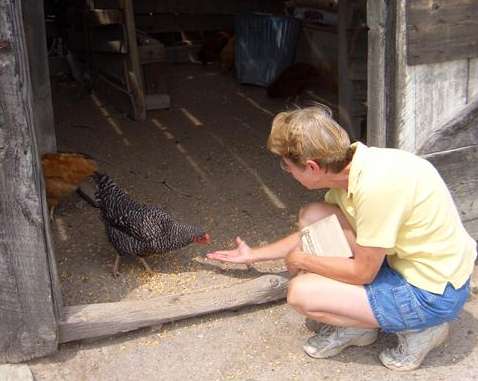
204 239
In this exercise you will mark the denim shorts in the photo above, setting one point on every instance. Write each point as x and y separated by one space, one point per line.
398 305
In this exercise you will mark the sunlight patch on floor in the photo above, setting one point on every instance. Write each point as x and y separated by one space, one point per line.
181 149
191 117
254 103
109 119
269 193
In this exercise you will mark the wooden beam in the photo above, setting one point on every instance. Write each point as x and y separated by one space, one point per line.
441 30
134 70
460 131
377 79
97 320
28 327
460 172
157 22
35 33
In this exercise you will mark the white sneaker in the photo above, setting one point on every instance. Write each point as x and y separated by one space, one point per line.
413 346
327 344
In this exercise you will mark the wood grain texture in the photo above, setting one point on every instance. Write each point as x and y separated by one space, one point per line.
441 30
28 326
440 92
97 320
425 97
472 91
135 73
460 131
35 33
376 79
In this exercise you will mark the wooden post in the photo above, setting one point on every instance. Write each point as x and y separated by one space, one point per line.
35 33
134 77
28 325
377 64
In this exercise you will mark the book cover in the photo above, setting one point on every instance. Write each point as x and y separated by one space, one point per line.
325 238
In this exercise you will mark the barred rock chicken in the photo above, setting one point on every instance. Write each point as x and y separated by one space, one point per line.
63 173
137 229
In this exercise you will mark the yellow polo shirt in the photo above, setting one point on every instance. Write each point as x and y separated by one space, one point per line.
398 201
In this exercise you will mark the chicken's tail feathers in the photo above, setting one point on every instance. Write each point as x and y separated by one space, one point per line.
88 194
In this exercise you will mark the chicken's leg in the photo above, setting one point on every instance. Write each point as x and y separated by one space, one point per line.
116 266
145 264
52 214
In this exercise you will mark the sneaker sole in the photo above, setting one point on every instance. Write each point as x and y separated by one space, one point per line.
361 342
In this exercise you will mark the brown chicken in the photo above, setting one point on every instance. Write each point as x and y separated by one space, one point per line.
63 174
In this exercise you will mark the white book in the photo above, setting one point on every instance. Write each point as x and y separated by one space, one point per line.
325 238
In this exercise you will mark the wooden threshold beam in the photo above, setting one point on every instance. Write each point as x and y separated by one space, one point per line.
102 319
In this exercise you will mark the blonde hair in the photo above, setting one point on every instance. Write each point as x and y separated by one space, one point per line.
310 133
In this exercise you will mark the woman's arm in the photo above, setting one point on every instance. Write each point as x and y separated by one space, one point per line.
245 254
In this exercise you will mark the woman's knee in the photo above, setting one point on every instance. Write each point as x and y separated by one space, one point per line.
299 290
313 212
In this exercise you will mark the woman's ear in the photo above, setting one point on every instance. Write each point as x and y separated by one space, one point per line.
313 166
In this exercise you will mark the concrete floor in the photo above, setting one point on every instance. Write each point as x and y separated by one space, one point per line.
209 148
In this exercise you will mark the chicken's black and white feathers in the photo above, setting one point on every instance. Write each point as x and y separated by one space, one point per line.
137 229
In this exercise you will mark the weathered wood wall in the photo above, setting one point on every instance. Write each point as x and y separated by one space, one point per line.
441 30
35 31
378 77
427 96
28 306
432 109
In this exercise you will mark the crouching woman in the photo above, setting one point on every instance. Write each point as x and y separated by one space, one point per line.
412 258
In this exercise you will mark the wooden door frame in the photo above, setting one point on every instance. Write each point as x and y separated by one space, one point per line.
381 20
30 296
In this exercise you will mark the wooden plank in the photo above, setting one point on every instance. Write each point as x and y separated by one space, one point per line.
96 320
460 131
198 7
460 172
377 75
35 33
158 23
101 17
424 97
157 101
28 324
109 39
441 30
134 71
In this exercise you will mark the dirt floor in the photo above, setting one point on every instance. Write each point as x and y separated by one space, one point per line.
205 161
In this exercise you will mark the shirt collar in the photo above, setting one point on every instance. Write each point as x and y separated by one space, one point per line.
356 167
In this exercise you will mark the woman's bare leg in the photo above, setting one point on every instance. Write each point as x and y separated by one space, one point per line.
327 300
330 301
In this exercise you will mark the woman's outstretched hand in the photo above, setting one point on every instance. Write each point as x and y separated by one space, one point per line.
241 254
